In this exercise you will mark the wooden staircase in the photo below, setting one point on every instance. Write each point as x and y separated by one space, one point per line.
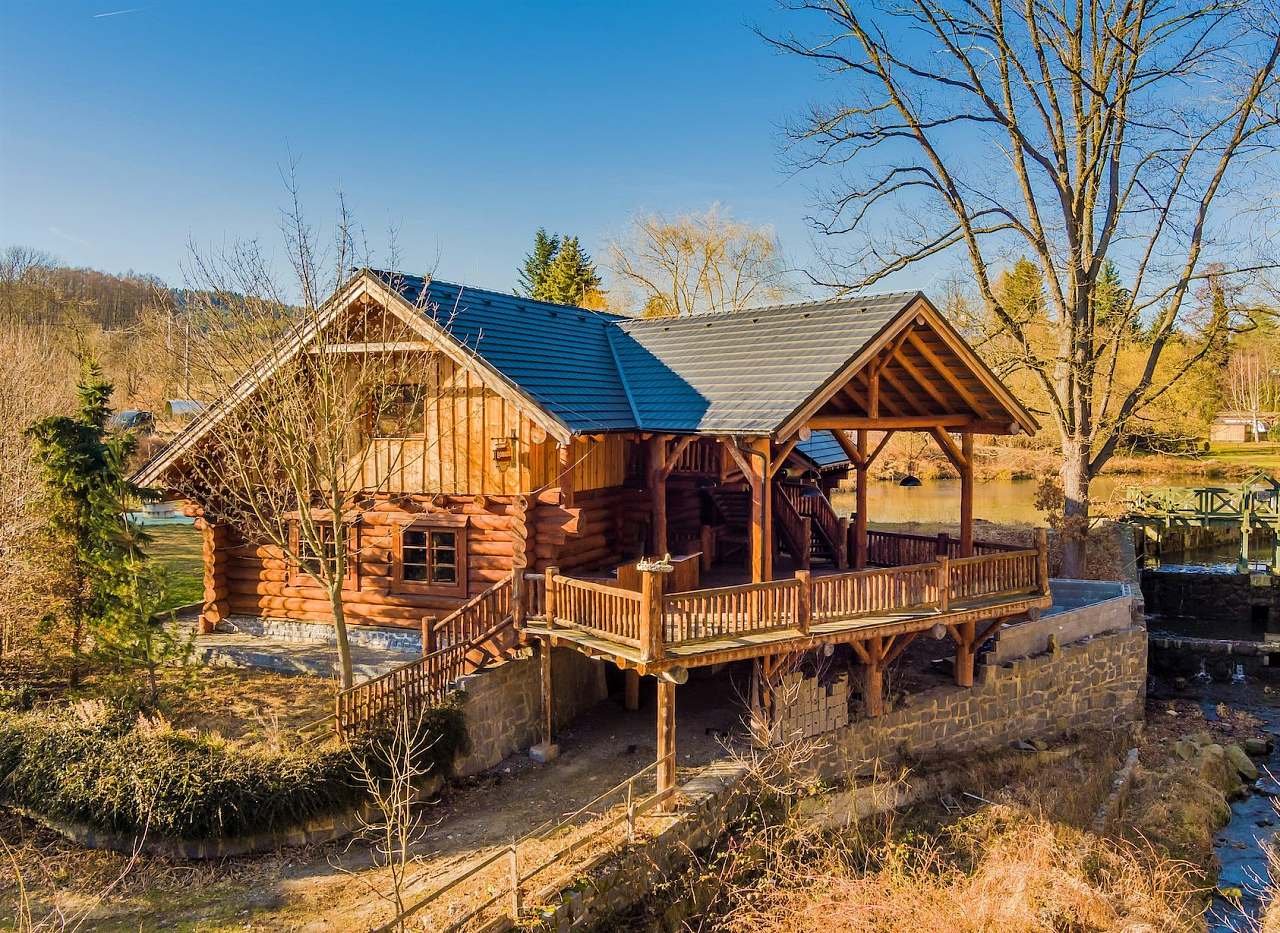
791 505
480 632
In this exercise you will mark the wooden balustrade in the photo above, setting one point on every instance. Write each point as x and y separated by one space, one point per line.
606 610
895 549
994 575
795 528
809 502
868 592
473 618
730 610
416 686
703 456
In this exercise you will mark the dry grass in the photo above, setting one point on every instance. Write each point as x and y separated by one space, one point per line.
1000 869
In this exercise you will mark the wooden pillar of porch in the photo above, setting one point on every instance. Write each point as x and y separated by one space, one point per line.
631 689
861 467
754 462
877 653
666 778
969 637
658 492
961 457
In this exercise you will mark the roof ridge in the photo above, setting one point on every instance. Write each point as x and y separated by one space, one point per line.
868 298
606 317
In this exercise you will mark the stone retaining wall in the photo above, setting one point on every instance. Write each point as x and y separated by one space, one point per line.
1081 609
1227 605
1097 683
504 704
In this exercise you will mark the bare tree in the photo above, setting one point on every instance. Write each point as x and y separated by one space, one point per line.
1253 382
698 262
1074 131
288 465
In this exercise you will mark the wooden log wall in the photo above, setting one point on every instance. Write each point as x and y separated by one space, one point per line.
214 540
260 583
599 531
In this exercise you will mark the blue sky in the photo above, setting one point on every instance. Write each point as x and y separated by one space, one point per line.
122 136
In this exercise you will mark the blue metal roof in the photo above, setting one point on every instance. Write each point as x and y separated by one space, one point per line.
738 372
824 450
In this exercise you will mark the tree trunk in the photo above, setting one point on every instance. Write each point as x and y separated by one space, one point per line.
1075 510
346 675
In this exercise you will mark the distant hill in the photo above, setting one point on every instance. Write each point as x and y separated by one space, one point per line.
36 289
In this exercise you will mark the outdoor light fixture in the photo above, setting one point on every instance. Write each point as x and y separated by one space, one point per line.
503 451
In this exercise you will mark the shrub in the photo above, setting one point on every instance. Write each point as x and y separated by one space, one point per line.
105 766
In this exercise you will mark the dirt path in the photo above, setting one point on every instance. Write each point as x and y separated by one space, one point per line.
337 887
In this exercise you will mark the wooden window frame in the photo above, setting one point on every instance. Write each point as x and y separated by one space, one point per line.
371 414
351 576
456 525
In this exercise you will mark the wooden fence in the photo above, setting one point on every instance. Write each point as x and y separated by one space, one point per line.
895 549
609 611
994 575
731 610
868 592
509 874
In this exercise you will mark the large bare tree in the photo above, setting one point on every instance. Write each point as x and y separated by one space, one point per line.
1074 131
693 263
287 467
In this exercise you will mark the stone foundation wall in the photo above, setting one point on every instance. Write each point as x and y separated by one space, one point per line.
504 704
1246 603
1098 683
1081 609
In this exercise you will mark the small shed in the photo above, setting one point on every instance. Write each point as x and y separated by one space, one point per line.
182 409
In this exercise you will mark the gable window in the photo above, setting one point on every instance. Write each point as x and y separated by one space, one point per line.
398 410
312 556
431 558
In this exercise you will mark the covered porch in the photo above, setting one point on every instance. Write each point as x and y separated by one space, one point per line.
773 571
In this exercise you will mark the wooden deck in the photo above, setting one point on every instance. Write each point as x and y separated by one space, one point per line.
653 633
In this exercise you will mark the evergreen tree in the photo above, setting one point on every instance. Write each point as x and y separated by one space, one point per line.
572 278
86 493
533 273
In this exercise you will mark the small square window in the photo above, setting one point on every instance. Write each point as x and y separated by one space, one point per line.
431 558
398 411
311 560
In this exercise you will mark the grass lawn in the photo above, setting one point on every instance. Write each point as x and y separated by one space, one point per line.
1263 456
178 548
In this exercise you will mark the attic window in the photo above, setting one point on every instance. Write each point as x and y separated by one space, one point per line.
397 411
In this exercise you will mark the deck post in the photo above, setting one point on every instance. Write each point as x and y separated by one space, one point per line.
860 498
666 739
651 586
761 511
658 492
944 583
549 599
428 645
707 541
871 654
804 601
548 697
517 597
943 548
842 543
631 689
1042 560
965 633
806 534
966 494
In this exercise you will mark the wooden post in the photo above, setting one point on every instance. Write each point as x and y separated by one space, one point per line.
966 494
860 515
761 512
548 698
549 598
428 642
966 634
651 645
804 601
658 492
842 543
631 689
1042 559
871 653
707 541
805 556
214 539
944 545
944 584
513 872
666 738
517 597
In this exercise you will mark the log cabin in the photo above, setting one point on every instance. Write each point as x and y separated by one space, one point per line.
655 493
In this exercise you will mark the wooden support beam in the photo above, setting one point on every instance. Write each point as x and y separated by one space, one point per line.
905 423
911 398
565 467
860 504
548 695
871 652
657 455
966 495
923 381
761 511
631 689
783 452
945 372
965 637
666 739
673 457
884 440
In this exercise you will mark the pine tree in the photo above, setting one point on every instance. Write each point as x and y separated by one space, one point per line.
86 493
572 278
533 273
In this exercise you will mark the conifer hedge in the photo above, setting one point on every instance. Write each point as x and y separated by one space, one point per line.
107 768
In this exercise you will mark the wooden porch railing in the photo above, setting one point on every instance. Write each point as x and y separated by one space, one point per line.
896 549
653 622
731 610
702 457
467 638
809 502
868 592
609 611
992 575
